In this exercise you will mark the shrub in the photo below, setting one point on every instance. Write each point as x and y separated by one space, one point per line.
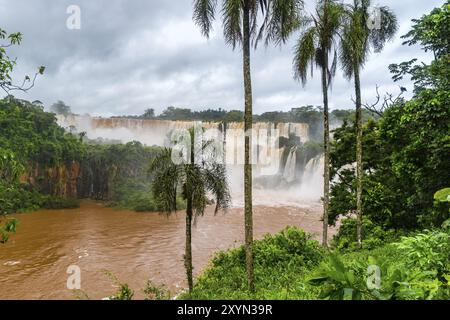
414 268
374 235
51 202
154 292
15 198
123 293
280 260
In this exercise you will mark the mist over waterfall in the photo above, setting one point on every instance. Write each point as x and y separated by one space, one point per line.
293 177
290 169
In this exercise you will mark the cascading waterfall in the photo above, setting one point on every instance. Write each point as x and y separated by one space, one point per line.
291 185
314 167
290 171
154 132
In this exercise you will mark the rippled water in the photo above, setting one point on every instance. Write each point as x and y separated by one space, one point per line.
133 246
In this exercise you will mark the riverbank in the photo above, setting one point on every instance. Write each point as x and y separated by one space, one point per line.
133 246
291 266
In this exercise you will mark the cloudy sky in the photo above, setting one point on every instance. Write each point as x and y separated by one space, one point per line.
132 55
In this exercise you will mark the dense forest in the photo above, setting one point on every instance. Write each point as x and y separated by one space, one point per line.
391 201
45 167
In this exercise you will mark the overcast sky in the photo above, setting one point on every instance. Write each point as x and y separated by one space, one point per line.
130 55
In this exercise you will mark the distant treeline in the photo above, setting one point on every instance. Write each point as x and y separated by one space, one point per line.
311 115
304 114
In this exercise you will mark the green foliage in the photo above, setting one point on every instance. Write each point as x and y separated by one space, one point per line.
317 42
281 261
405 159
149 114
15 198
190 179
374 235
406 151
32 143
6 229
431 31
30 139
442 195
139 198
337 282
123 293
117 173
278 19
154 292
289 265
10 168
357 40
415 268
429 250
33 135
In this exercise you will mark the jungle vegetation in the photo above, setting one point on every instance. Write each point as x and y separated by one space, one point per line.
194 179
399 190
405 199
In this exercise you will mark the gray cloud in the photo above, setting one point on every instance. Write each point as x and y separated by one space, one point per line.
131 55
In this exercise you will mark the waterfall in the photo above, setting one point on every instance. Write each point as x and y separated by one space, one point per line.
154 132
290 167
314 168
270 185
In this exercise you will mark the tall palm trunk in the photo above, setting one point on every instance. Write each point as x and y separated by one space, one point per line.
189 215
359 160
326 143
248 138
188 250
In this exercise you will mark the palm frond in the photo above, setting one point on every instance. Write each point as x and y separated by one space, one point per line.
332 70
305 53
354 46
216 183
232 21
389 27
204 15
195 189
357 39
166 176
281 18
318 41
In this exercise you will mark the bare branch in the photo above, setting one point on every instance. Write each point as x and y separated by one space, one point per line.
382 103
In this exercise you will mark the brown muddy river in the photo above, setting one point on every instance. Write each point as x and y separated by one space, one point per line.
133 246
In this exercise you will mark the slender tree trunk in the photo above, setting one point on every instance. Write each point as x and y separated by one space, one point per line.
326 143
248 140
188 250
359 159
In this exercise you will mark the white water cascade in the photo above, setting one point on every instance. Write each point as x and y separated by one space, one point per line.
289 173
298 188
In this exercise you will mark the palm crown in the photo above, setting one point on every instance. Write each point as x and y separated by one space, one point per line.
279 19
193 180
318 40
358 39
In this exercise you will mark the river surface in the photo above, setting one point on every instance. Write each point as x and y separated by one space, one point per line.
133 246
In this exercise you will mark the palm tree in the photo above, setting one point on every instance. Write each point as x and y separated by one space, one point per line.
317 41
356 43
278 19
194 180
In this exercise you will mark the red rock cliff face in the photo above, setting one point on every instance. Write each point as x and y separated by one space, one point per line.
59 181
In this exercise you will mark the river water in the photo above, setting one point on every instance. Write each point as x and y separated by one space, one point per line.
133 246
